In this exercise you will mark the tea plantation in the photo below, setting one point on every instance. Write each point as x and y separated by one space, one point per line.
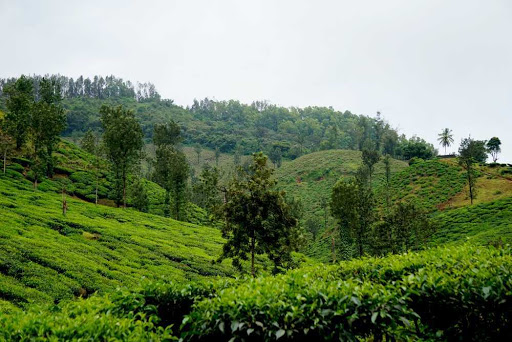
48 257
457 293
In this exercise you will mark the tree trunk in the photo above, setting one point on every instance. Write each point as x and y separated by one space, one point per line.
124 190
333 250
5 159
470 185
253 247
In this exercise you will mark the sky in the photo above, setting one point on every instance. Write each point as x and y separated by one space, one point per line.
424 64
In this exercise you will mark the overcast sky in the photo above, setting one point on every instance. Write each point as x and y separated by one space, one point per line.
425 65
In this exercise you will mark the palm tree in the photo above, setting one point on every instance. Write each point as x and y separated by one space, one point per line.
445 138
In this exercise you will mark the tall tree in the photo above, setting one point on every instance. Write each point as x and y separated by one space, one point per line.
494 148
48 120
471 152
445 138
276 156
404 228
353 205
207 190
387 170
217 156
370 157
19 102
258 219
171 167
197 150
88 142
122 138
6 143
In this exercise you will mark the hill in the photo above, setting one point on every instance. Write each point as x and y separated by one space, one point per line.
310 178
48 257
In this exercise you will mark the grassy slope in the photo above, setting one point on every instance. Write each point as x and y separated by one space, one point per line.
311 178
45 256
485 223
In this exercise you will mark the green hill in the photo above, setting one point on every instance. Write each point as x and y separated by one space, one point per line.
484 223
312 176
46 257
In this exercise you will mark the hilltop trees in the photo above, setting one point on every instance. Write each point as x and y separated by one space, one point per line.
123 141
258 219
445 138
494 148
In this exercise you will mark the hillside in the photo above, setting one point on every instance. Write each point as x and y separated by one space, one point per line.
47 257
483 224
312 176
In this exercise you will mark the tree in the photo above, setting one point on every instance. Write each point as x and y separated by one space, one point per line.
276 156
139 195
217 156
207 190
122 139
88 142
445 138
19 102
387 170
313 226
178 179
415 147
237 156
494 148
6 143
353 205
197 150
258 219
370 158
171 167
404 228
91 144
48 120
471 152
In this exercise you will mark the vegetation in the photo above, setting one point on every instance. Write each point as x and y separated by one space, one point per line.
257 218
440 294
48 257
445 138
72 267
494 148
123 142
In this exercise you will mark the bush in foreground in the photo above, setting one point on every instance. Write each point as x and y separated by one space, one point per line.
458 293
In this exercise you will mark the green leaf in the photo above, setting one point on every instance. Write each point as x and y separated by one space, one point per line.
279 333
374 316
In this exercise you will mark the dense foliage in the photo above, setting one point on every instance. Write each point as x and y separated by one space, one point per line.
230 125
441 294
